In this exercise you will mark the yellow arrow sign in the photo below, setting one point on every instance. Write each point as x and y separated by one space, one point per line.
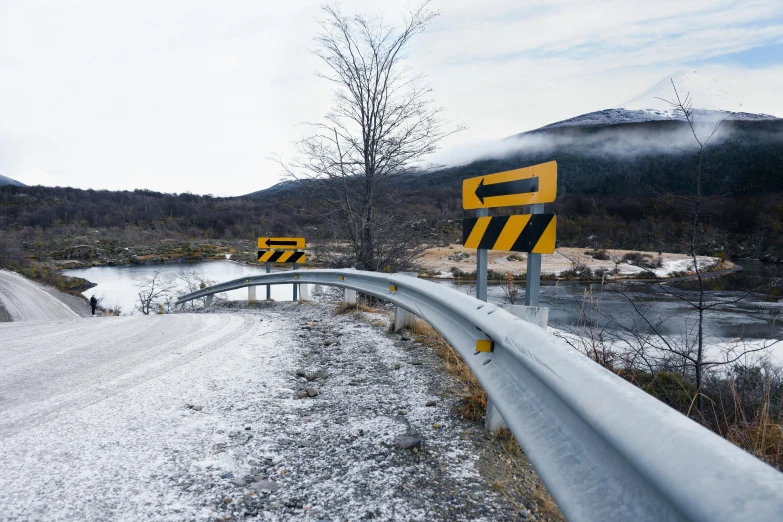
281 243
527 186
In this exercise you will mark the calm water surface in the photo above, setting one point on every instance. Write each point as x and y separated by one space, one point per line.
119 285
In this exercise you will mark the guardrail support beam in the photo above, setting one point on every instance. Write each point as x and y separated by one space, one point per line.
493 421
251 294
304 292
349 296
208 302
403 319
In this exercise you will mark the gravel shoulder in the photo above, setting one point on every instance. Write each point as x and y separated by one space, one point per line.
278 411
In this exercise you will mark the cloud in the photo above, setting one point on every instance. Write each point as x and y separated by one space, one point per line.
37 177
189 95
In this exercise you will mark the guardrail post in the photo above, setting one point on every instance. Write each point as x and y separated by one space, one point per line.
304 292
178 308
251 294
402 318
538 315
349 296
208 302
493 420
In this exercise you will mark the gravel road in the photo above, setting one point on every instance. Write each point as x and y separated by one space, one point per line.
277 412
24 300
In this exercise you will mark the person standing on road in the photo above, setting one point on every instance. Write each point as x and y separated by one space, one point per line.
93 304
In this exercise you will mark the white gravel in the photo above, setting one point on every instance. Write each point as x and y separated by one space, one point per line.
152 418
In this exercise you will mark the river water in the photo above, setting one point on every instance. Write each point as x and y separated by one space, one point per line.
754 317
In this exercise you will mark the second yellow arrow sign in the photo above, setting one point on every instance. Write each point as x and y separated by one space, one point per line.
281 243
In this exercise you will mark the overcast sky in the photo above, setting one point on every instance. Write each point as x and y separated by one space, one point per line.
197 95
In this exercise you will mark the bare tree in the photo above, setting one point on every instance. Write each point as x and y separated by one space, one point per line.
154 292
382 124
687 353
192 281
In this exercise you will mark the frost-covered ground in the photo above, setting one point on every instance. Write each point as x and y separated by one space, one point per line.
443 259
280 412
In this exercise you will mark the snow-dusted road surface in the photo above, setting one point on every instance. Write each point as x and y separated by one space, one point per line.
201 417
25 300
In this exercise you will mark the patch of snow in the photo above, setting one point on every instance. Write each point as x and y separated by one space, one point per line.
623 115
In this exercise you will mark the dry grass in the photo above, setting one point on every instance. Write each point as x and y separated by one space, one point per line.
761 434
473 405
514 490
473 401
347 308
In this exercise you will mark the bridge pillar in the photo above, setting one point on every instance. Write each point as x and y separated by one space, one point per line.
403 319
493 421
349 296
208 302
251 294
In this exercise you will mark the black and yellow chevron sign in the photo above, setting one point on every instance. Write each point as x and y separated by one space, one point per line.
531 233
272 256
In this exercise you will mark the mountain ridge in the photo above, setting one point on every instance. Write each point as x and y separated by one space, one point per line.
4 180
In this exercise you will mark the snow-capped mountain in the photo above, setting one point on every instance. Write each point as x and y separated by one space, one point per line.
711 102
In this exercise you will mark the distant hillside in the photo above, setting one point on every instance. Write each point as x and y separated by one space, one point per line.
613 167
608 175
614 159
601 159
8 181
282 188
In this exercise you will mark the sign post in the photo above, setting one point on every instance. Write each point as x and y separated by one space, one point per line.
482 257
281 250
268 287
533 233
533 277
296 286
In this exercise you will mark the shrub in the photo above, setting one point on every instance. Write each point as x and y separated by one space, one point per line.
600 255
635 258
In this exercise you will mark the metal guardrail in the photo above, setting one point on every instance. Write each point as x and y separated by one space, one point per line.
606 450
